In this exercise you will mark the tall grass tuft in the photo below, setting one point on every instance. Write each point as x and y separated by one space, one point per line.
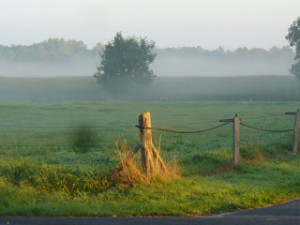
131 172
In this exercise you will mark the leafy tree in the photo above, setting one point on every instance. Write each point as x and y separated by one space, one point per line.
125 64
294 38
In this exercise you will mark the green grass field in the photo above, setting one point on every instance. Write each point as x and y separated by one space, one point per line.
44 171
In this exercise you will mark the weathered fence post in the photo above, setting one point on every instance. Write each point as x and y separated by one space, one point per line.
146 141
296 129
151 160
296 132
236 138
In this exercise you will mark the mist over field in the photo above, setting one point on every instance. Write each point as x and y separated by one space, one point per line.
163 66
241 88
187 73
59 57
215 67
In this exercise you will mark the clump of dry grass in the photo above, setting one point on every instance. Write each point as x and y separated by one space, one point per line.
131 170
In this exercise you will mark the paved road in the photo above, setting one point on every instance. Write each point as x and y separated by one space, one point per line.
283 214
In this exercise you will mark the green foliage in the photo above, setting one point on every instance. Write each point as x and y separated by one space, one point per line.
48 178
295 69
250 185
294 38
125 64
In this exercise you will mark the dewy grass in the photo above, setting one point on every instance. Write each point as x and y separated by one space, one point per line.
250 185
49 179
42 174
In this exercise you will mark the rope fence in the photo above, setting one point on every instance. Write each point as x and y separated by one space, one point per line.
213 128
236 123
265 130
182 131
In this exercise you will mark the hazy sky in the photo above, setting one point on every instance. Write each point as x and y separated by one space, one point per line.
208 23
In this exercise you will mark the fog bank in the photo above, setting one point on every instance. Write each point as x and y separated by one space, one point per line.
171 62
167 67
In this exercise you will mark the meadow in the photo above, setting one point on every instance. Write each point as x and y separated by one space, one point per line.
44 170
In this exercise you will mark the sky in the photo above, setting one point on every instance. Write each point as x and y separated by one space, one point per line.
170 23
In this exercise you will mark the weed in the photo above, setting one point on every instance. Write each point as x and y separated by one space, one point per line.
132 172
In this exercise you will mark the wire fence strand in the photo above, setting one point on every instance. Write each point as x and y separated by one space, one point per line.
265 130
184 132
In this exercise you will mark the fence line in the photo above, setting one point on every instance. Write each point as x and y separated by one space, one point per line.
225 122
236 121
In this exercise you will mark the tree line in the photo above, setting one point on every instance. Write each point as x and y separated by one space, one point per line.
51 50
285 53
61 50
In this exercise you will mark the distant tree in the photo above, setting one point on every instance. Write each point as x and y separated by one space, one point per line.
294 38
125 64
61 50
99 47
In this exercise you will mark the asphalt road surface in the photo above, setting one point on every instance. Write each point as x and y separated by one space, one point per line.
283 214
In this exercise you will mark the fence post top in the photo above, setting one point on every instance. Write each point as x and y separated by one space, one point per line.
293 113
146 113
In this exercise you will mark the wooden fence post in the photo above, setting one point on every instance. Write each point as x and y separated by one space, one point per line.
146 141
236 140
296 129
296 132
151 160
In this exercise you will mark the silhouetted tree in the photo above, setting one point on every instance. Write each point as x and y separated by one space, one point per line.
294 39
125 64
